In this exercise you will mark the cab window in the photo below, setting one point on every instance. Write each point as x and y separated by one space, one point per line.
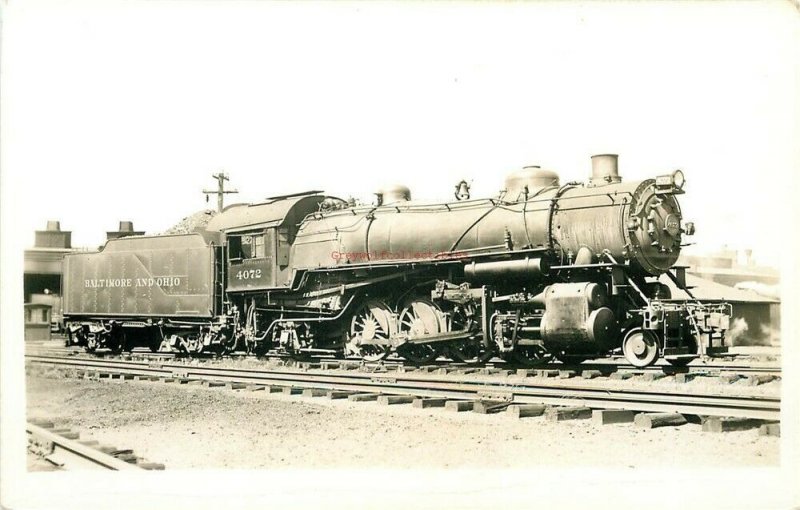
249 246
258 247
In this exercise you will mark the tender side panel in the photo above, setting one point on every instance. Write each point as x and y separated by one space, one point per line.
145 277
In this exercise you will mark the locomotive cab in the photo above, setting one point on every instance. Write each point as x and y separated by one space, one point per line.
259 238
250 263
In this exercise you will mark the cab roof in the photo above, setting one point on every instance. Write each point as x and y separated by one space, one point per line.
273 212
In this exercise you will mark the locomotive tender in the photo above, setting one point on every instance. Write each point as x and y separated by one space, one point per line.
545 269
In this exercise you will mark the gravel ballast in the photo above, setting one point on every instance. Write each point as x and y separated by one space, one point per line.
198 427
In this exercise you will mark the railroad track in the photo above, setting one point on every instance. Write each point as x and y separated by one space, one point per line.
605 367
516 389
71 454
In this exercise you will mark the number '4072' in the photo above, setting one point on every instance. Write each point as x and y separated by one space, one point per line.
251 274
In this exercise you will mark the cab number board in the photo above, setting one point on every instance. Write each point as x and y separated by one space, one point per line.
248 274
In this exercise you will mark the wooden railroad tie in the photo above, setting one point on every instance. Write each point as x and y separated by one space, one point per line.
655 420
339 394
730 378
42 422
395 399
363 397
653 376
66 433
610 416
425 403
489 406
719 424
770 429
621 375
525 410
684 378
567 413
758 379
459 405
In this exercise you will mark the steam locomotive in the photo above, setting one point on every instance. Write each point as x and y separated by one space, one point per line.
545 269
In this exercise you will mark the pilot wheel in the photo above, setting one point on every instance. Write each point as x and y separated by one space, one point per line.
640 347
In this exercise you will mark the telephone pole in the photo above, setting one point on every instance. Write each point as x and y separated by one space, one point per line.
220 191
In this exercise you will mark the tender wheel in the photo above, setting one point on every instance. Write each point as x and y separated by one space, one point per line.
530 355
420 317
125 343
371 323
154 344
91 344
118 343
640 347
261 349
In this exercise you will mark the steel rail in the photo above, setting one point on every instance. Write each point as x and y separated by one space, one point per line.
71 454
608 366
455 387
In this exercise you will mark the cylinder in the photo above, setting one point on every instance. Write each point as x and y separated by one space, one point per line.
54 226
576 316
528 269
604 169
126 226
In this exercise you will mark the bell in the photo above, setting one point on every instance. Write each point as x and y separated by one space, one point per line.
462 191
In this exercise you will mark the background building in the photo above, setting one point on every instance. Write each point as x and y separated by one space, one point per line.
42 276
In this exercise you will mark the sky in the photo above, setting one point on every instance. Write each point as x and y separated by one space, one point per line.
122 111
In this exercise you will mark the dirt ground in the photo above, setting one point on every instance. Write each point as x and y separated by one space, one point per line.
198 427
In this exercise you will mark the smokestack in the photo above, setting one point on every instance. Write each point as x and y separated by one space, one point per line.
53 236
604 169
125 230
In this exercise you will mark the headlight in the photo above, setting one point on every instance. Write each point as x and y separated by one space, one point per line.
678 180
670 183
